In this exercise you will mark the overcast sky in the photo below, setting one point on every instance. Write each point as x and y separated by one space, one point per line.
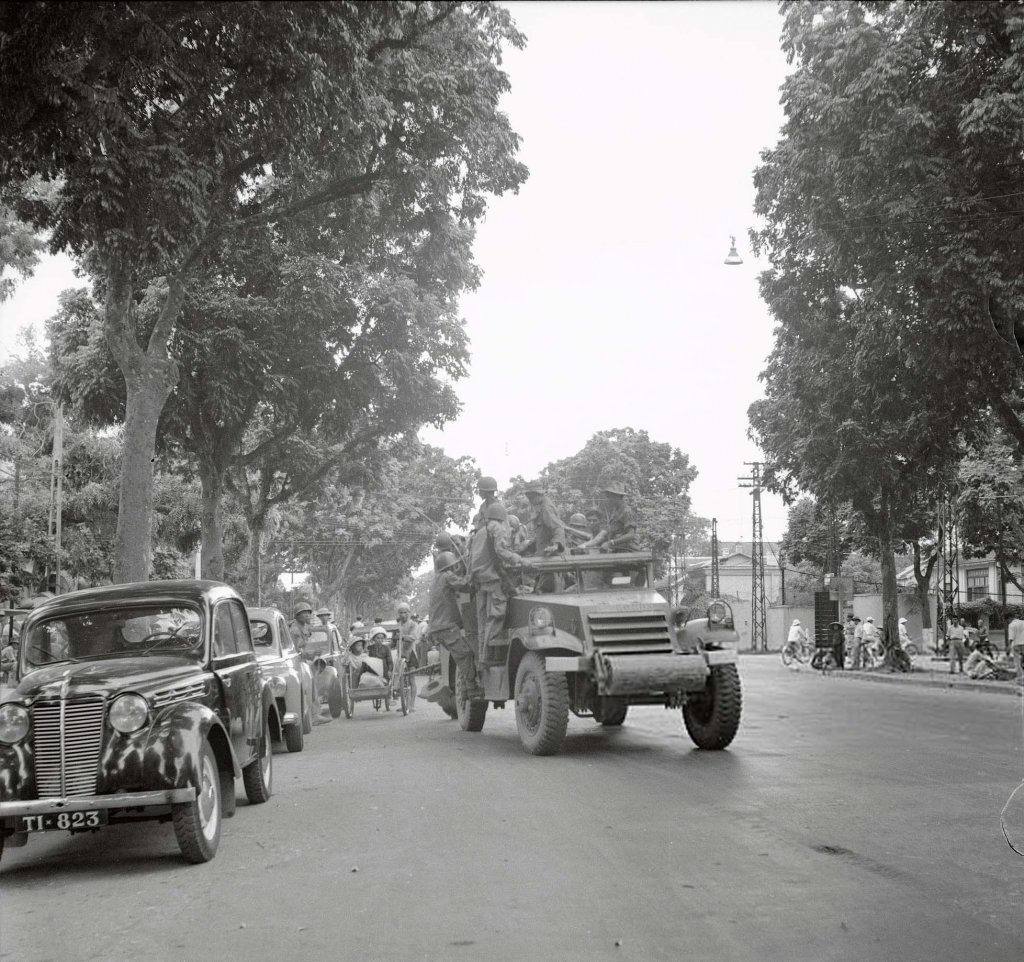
605 302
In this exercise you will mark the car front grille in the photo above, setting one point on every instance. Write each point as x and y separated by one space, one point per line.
629 632
168 696
67 737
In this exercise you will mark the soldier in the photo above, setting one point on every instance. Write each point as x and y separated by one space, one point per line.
518 533
490 563
446 619
576 530
548 532
299 628
325 615
619 530
487 488
407 647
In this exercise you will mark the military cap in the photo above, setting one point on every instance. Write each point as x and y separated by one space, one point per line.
534 487
445 560
614 487
578 519
323 611
303 607
496 512
487 484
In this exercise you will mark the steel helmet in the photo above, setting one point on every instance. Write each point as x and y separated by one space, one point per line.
534 487
614 487
513 520
444 542
578 519
445 560
496 512
301 608
487 484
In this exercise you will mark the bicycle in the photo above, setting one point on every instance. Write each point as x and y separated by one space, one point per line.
801 651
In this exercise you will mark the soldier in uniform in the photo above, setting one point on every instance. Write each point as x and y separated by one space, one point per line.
446 618
299 628
487 488
548 532
325 615
491 562
619 530
576 530
518 533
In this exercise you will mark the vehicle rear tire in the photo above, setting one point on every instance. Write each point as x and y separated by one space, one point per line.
542 706
471 714
258 775
610 714
334 699
293 737
197 823
712 716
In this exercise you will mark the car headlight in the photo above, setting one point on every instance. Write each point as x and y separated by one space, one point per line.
128 713
540 618
14 724
278 685
718 613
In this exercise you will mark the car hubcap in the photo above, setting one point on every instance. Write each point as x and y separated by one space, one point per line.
207 800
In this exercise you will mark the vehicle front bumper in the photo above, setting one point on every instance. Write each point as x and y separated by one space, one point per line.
89 803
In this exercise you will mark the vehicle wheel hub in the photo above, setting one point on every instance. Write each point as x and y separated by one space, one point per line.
528 703
207 800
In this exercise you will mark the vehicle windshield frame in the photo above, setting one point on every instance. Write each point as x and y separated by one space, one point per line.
273 642
149 643
325 631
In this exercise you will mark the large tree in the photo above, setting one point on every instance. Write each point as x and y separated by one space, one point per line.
174 126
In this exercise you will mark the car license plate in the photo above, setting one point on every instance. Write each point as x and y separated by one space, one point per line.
61 821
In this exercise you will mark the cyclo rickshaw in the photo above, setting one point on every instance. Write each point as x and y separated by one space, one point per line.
380 678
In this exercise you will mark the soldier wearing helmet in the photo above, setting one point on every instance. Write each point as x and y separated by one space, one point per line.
548 531
491 561
446 619
618 533
518 535
299 628
487 488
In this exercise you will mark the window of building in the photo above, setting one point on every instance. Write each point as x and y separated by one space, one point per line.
977 583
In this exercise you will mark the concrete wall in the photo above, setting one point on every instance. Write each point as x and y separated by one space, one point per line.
780 618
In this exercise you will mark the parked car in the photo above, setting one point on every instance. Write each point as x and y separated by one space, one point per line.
323 653
135 702
288 674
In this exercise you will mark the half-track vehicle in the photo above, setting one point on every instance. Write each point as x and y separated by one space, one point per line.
588 634
136 702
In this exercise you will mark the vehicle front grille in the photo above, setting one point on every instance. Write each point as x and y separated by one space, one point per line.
630 632
181 693
67 761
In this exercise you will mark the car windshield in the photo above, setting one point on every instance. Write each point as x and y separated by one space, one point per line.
113 632
319 641
262 633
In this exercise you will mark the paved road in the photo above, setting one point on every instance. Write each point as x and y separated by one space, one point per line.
849 821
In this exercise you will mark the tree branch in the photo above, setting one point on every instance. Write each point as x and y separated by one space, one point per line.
414 34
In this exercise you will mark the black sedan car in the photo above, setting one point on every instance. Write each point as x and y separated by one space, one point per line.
135 702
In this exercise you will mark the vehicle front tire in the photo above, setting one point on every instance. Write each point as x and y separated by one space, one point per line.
471 714
334 699
346 697
712 716
610 714
542 706
293 737
197 823
307 716
258 775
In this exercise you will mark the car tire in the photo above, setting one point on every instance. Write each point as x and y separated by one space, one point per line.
334 699
197 824
610 715
294 737
542 706
471 714
258 775
712 716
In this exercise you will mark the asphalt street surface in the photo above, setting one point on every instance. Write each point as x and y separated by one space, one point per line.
849 821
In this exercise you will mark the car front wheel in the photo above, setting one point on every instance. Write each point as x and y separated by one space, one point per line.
258 775
542 706
197 823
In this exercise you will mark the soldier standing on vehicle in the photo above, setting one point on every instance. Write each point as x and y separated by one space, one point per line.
300 630
487 488
619 530
446 619
518 536
547 531
576 530
491 562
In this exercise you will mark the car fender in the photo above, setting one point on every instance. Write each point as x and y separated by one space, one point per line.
270 712
556 639
166 753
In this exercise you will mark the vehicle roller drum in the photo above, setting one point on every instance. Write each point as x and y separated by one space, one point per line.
640 674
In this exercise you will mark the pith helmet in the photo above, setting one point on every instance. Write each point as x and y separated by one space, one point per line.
614 487
301 608
445 560
487 484
496 512
577 519
534 487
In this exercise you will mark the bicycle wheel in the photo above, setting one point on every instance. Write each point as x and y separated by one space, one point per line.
787 654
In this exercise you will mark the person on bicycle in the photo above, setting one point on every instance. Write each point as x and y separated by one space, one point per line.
797 634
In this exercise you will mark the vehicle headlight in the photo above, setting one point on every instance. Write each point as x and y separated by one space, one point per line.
128 713
718 613
14 724
540 618
278 685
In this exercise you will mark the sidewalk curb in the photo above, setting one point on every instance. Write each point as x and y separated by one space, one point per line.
994 688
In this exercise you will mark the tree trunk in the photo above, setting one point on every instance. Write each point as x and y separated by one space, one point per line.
147 391
211 477
923 577
887 557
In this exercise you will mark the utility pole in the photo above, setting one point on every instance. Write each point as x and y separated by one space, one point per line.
715 589
949 563
758 603
57 490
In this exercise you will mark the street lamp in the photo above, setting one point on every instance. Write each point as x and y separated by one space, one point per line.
733 258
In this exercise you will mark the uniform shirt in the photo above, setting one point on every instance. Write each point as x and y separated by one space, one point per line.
300 635
547 528
478 518
620 530
488 545
444 602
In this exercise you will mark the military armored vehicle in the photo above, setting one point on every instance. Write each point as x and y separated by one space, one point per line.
588 634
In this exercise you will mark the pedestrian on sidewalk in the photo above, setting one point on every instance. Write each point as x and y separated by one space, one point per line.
956 646
1015 645
858 643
